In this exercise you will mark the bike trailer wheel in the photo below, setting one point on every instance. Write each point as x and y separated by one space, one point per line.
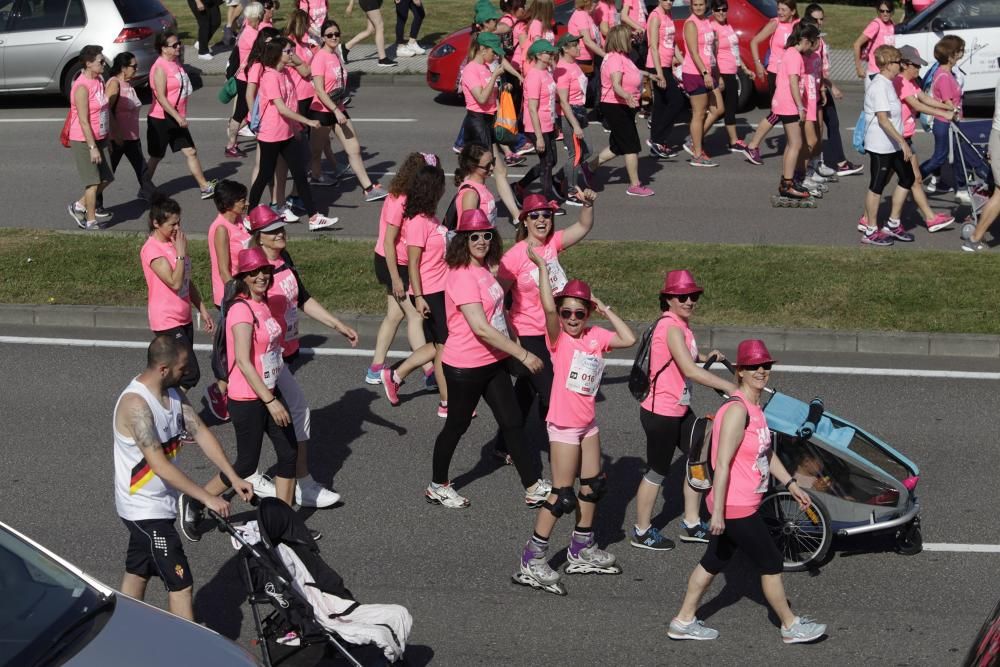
803 536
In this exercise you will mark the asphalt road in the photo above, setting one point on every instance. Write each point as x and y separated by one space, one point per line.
451 568
727 204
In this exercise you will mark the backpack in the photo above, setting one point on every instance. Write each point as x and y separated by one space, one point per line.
699 468
450 220
927 120
221 367
505 125
860 130
639 381
255 113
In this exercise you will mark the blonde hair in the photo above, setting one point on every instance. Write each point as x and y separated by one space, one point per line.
619 39
886 54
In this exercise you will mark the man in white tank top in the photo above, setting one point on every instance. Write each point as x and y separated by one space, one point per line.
152 422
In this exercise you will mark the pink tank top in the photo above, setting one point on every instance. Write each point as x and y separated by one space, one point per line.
487 202
670 396
777 44
127 111
750 470
706 46
178 87
662 42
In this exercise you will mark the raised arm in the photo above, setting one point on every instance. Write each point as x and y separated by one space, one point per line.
545 294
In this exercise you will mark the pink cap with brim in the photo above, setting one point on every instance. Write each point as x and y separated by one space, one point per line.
473 220
680 282
576 289
753 352
264 219
250 260
536 203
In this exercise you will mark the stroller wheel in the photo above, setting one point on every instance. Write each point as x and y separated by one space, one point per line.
909 539
803 536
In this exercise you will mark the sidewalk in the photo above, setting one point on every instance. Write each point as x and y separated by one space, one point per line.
778 340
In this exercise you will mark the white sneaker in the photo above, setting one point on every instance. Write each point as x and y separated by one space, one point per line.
205 56
319 221
310 493
962 197
415 48
286 212
445 496
535 496
245 131
263 487
824 170
404 51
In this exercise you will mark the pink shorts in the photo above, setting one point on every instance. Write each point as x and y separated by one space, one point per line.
574 435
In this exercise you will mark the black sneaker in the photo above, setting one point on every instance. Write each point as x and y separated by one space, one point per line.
192 514
698 533
315 534
652 539
386 62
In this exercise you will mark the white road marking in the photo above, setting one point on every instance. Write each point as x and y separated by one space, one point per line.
962 548
620 363
198 119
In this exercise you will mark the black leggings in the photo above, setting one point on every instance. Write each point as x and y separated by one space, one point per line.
529 385
664 435
296 156
131 149
544 168
208 22
748 535
884 165
404 7
465 387
833 152
668 104
251 419
240 109
730 97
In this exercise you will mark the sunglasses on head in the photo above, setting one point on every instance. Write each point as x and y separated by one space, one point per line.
760 367
683 298
476 236
332 35
567 314
535 215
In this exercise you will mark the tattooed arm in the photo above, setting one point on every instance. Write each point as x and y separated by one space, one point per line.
213 450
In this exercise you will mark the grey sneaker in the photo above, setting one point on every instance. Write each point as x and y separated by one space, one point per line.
537 494
652 539
974 246
375 193
694 630
803 630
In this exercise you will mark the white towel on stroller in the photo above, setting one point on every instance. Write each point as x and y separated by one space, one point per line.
387 625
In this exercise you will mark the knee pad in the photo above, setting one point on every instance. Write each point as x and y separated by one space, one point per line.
565 502
653 477
598 487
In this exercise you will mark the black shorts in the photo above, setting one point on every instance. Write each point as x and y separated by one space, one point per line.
624 135
163 132
477 128
884 165
325 118
383 277
155 550
789 119
185 336
435 326
663 435
748 535
303 106
370 5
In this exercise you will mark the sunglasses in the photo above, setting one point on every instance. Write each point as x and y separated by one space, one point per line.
332 35
175 45
488 166
259 270
476 236
760 367
721 9
288 51
535 215
568 314
885 11
684 298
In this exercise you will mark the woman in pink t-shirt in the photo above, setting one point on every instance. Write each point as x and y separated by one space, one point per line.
88 136
880 30
391 270
123 107
699 75
244 45
426 240
538 113
167 270
574 443
571 88
789 105
730 62
744 461
668 99
475 165
167 124
474 360
621 81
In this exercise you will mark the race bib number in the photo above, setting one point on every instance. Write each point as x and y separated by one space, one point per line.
685 398
557 276
734 45
585 373
270 366
763 463
291 322
103 122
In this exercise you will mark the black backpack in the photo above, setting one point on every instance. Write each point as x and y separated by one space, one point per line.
451 215
699 468
221 367
639 381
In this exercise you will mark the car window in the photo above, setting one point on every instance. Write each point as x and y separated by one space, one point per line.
681 9
965 15
768 8
136 11
47 14
6 8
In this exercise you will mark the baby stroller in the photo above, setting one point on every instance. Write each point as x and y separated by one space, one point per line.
970 140
297 600
857 482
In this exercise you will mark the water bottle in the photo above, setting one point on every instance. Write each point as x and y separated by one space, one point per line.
812 419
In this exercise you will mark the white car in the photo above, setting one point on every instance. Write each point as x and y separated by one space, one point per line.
975 21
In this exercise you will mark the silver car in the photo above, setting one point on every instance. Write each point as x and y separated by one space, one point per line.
41 39
53 613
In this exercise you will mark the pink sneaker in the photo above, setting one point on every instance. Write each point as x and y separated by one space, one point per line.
939 222
639 191
218 402
442 410
390 385
863 224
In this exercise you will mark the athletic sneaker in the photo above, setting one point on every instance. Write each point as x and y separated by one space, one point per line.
974 246
696 630
661 151
430 382
245 131
209 190
639 191
825 171
445 496
898 233
940 221
697 533
876 238
286 212
803 630
310 493
91 226
389 384
514 160
375 192
322 181
79 218
373 377
739 147
99 213
263 487
527 148
218 402
442 410
404 51
688 146
192 514
848 168
702 161
318 221
863 224
386 62
234 151
652 539
753 156
535 498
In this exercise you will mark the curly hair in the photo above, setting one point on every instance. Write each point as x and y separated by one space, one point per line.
407 170
458 254
425 191
468 161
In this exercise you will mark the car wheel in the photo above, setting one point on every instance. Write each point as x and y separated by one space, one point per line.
746 91
69 77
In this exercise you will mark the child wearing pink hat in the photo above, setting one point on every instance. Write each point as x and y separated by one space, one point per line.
574 442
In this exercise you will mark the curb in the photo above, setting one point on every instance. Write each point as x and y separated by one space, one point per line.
778 340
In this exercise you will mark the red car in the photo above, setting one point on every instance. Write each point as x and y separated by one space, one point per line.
746 16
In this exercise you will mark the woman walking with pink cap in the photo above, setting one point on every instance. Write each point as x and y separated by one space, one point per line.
474 359
574 441
743 460
666 413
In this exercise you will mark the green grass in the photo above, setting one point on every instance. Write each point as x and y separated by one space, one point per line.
809 287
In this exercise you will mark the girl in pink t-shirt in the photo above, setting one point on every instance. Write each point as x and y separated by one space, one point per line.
170 292
89 126
474 360
244 46
730 63
574 443
699 76
581 23
475 164
571 88
426 240
538 113
539 23
744 461
881 30
789 104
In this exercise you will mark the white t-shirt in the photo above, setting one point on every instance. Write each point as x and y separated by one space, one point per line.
881 96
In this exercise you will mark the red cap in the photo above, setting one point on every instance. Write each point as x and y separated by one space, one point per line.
576 289
680 282
536 203
251 259
752 352
264 219
473 220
